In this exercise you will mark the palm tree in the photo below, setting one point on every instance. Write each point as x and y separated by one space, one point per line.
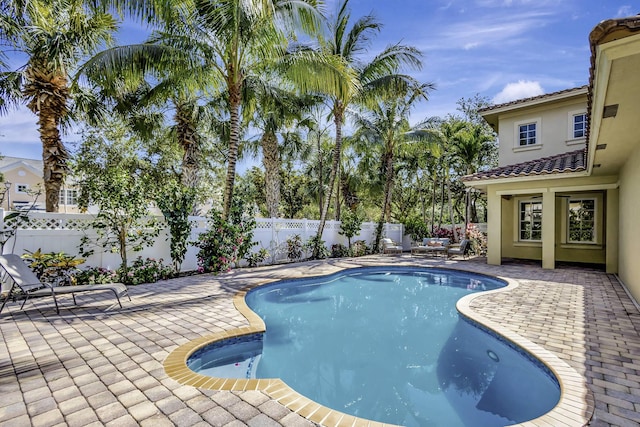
386 124
277 111
372 77
54 35
471 149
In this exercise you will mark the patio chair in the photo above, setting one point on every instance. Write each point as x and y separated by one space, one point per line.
390 247
23 278
461 249
437 246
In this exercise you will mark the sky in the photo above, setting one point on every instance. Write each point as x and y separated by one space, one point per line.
499 49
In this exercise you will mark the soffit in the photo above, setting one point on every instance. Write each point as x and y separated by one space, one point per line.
620 133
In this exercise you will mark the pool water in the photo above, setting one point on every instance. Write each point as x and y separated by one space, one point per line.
388 346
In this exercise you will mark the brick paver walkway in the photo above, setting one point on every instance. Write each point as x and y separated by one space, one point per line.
97 365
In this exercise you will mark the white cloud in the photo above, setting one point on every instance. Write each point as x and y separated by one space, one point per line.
519 90
493 30
624 11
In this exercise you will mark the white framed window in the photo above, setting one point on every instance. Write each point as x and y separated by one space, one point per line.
22 188
577 125
581 220
68 197
528 134
530 221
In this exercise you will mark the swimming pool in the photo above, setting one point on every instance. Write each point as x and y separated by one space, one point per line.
386 345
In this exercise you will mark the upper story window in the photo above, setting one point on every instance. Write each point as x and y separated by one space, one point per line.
68 197
581 220
22 188
530 221
527 134
579 125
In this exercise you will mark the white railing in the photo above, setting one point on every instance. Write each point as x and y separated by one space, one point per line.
62 232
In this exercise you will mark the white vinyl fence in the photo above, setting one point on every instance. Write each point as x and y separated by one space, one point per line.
62 232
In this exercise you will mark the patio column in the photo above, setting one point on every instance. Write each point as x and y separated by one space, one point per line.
494 228
611 230
549 230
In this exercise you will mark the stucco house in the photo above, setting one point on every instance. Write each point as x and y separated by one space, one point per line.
25 175
567 187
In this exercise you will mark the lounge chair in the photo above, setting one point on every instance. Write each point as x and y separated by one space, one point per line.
461 249
23 278
390 247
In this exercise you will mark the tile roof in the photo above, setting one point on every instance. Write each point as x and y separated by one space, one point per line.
532 98
574 161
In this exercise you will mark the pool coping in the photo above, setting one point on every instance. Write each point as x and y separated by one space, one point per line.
574 408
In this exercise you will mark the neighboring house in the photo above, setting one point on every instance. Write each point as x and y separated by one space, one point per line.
25 176
567 187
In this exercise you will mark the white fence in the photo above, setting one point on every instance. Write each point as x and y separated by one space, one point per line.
62 232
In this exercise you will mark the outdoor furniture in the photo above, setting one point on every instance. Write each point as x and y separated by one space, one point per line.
390 247
432 245
23 278
422 248
461 249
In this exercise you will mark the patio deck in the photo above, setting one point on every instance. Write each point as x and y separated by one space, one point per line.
88 366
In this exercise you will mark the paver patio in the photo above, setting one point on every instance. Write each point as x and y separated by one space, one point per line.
97 365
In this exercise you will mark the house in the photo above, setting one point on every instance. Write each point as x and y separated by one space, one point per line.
25 177
567 187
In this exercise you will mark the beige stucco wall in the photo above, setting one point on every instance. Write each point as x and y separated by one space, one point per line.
629 240
18 176
553 131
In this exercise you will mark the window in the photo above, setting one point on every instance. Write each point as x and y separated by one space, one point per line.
582 214
22 188
579 125
527 134
530 223
68 197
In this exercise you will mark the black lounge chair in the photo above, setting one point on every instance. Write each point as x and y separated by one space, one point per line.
23 278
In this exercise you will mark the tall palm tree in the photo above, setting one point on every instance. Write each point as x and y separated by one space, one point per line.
372 77
244 36
54 36
386 123
276 110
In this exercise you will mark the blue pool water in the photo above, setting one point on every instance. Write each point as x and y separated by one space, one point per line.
388 346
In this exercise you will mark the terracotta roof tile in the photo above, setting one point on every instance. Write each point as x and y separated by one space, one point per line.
573 161
532 98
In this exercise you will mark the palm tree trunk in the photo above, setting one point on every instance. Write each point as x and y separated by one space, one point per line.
433 202
320 176
54 158
442 184
337 151
234 141
386 205
271 162
451 216
190 142
338 186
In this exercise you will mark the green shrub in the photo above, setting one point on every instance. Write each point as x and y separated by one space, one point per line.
227 240
96 276
147 270
255 258
294 247
359 248
339 250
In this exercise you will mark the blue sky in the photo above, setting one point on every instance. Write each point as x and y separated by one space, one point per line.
501 49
